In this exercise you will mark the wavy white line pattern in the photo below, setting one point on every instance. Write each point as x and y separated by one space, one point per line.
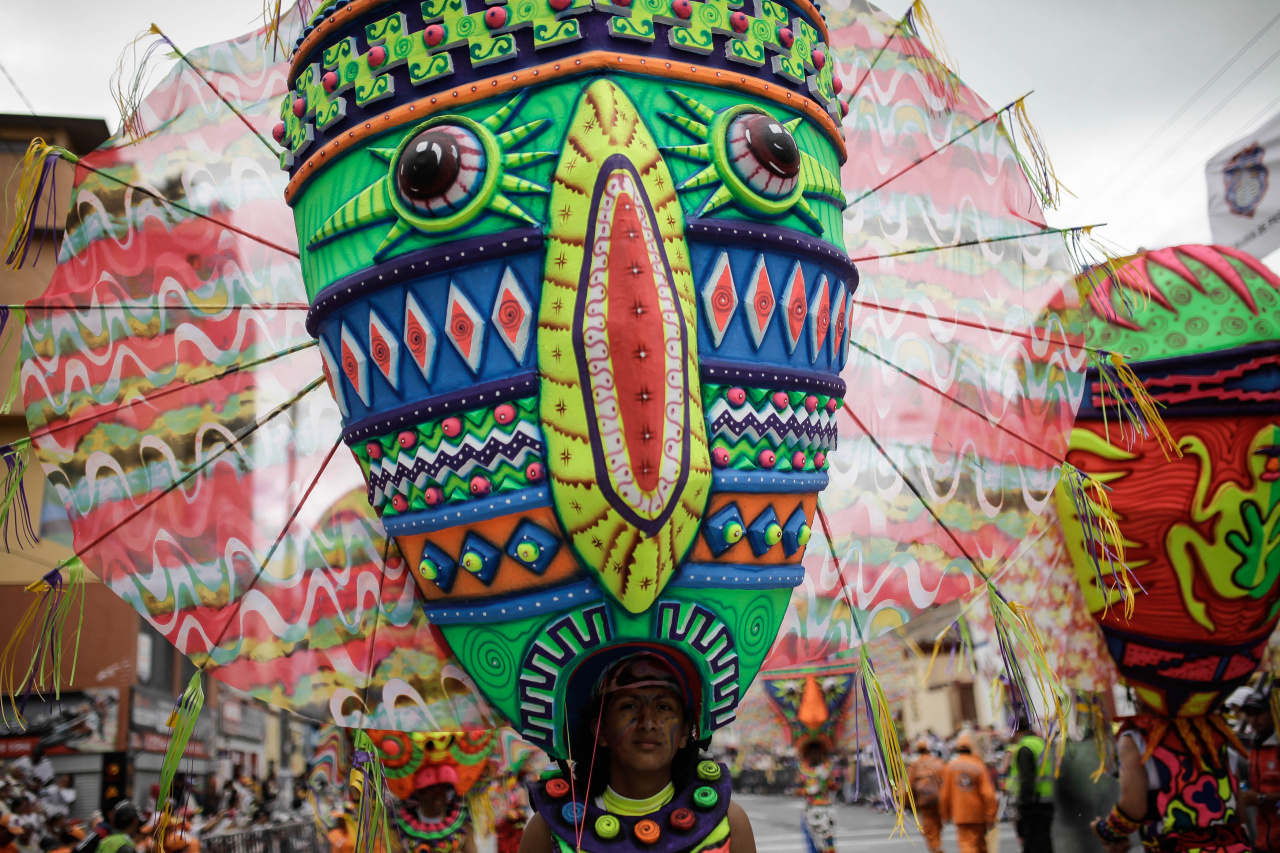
151 366
985 325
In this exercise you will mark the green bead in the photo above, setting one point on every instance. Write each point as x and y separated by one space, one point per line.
428 569
708 771
528 552
705 798
803 536
733 532
773 534
472 562
608 827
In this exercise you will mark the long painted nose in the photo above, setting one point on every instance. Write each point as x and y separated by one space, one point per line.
621 401
813 708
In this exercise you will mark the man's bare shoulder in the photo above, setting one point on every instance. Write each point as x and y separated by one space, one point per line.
537 837
741 837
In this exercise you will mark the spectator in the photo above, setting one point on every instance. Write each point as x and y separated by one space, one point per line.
1264 770
925 777
10 832
968 799
58 798
1031 784
124 826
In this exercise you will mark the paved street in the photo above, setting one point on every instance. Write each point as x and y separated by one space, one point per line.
776 822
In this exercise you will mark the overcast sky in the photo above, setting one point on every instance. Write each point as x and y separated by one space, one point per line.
1107 75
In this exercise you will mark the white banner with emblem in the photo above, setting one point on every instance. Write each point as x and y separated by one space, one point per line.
1244 199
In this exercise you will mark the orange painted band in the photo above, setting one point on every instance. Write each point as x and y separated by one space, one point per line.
356 8
595 61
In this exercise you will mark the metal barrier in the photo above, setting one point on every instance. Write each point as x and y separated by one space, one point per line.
298 837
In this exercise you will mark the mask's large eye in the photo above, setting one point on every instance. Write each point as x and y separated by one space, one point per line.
440 170
764 154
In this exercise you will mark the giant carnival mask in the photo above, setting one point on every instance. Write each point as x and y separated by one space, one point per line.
578 278
811 701
1202 532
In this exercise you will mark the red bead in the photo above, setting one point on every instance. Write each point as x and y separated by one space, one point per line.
786 38
811 403
819 58
720 457
504 414
798 460
560 5
781 400
433 35
682 8
557 788
767 458
400 503
495 17
682 820
819 459
329 81
377 56
534 472
451 427
277 132
837 85
736 396
479 486
831 404
844 109
374 450
433 496
739 21
407 439
299 107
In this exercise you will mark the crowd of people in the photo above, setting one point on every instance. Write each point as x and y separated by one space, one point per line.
38 811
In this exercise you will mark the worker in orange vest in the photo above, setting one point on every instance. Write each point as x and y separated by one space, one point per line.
925 777
968 799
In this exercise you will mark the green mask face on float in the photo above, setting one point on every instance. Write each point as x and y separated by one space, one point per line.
578 277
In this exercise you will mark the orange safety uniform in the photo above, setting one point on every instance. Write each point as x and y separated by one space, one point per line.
968 800
925 777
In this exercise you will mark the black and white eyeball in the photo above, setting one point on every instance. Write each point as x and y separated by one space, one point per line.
764 154
440 170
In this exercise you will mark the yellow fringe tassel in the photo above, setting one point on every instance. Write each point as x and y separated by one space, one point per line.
1085 249
1036 163
30 175
1141 398
886 735
1098 518
128 87
934 60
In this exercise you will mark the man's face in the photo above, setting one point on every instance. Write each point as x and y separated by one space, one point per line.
643 727
1259 721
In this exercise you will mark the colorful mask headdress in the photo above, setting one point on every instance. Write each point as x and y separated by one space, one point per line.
1200 529
524 273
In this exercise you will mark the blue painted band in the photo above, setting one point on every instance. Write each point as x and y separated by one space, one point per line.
432 261
766 237
488 394
468 512
758 481
729 576
512 607
772 377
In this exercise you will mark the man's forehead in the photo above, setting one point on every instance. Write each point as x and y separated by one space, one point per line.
650 693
